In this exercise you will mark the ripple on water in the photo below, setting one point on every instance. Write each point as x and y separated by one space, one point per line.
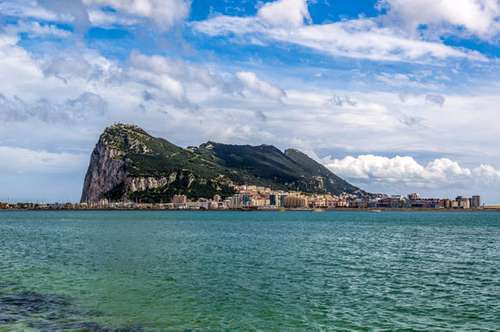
250 271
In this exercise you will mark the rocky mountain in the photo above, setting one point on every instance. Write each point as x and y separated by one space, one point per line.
128 164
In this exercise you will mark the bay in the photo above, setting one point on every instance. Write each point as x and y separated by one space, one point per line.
152 270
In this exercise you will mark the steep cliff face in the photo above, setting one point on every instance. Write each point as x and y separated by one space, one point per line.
106 173
128 164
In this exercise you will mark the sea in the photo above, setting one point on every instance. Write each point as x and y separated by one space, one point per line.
249 271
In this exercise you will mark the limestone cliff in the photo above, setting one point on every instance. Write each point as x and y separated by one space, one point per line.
128 164
106 173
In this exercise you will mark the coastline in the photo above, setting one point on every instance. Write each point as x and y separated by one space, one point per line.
378 210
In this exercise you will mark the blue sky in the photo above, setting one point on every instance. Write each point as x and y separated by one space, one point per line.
394 95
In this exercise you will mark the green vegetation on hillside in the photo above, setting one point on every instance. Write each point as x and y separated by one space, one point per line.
213 168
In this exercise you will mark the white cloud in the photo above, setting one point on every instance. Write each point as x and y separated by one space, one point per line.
17 65
253 83
37 29
163 82
103 18
164 13
407 171
480 17
154 91
21 160
8 40
30 9
83 13
190 84
360 38
285 13
157 85
87 106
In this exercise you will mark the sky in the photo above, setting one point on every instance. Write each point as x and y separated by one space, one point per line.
396 96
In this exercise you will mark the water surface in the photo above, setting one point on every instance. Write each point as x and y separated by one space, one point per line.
249 270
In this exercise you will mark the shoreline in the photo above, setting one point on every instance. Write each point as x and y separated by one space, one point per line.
373 210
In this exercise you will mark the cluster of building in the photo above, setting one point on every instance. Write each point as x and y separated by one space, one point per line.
250 197
262 198
266 198
414 201
39 206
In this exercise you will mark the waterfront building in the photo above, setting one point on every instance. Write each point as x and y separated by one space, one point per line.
193 205
342 203
393 202
463 202
235 202
179 199
295 202
246 200
358 203
475 202
103 204
318 201
259 202
203 204
213 205
426 203
445 203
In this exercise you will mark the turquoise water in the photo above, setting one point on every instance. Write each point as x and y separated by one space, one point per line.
249 270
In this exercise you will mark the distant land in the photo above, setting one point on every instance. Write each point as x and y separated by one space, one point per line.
130 169
128 164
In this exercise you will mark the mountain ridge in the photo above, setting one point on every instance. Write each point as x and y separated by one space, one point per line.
129 164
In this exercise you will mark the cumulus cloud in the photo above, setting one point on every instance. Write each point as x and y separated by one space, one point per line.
285 13
164 13
90 91
480 17
251 82
159 85
358 38
163 82
188 84
169 80
407 171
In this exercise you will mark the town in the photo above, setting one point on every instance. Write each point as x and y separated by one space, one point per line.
251 197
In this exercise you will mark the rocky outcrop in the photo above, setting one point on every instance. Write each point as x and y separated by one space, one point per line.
148 183
128 164
106 173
